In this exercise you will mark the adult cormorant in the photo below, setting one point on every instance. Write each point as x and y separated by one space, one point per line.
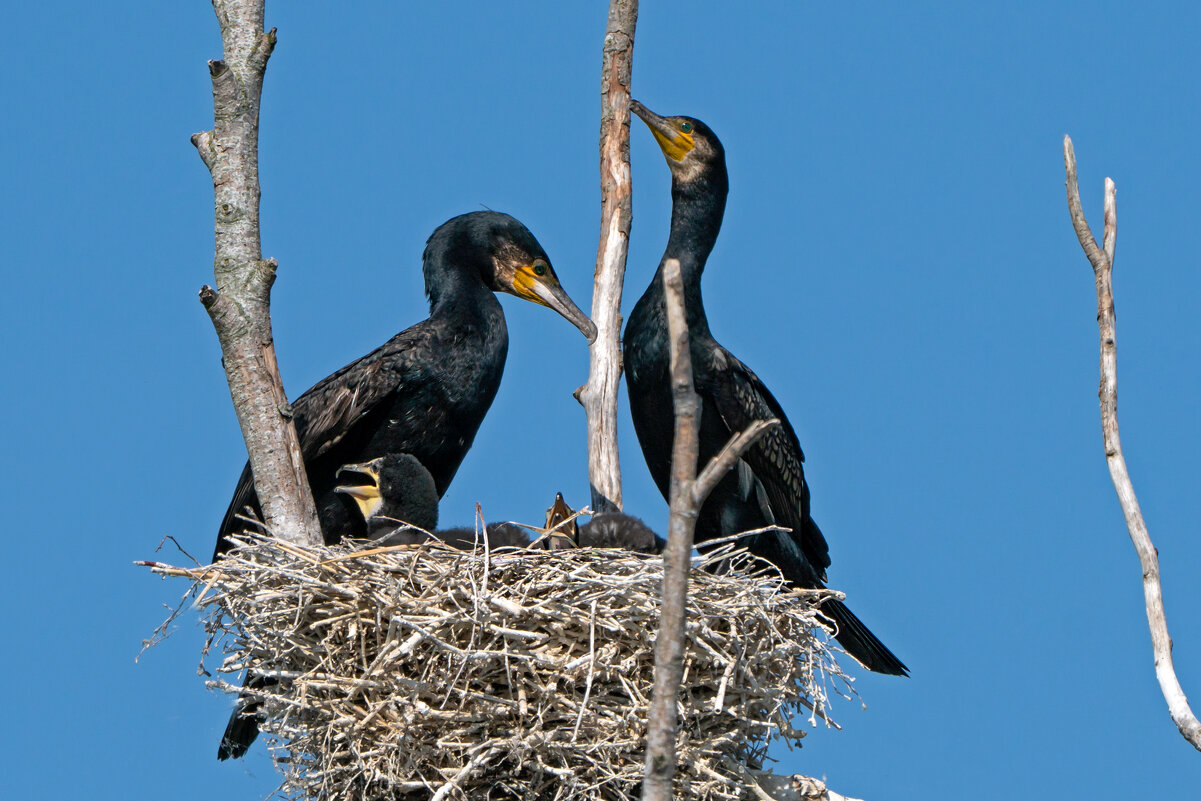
423 392
768 485
426 390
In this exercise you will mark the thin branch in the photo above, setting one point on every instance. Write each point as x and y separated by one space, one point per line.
599 395
1101 259
686 496
239 306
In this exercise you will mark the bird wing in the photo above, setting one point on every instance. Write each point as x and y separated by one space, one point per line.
333 407
776 460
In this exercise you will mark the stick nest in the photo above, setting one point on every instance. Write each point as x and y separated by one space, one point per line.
419 672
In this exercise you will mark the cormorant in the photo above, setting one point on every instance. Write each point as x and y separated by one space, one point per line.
399 494
499 535
423 392
605 530
768 485
619 530
426 390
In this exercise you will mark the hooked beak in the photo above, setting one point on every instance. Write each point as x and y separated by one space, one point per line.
674 143
557 299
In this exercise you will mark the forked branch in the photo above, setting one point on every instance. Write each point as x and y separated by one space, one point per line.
687 494
1101 258
239 306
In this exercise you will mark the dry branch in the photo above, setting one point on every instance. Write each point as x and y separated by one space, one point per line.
239 306
1101 258
599 395
686 495
409 671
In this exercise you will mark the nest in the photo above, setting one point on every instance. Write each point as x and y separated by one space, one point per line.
422 672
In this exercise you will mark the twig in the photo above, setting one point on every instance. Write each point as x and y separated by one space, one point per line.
476 761
599 395
239 306
1101 259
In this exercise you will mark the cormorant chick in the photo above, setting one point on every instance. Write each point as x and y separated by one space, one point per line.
398 491
768 485
605 530
619 530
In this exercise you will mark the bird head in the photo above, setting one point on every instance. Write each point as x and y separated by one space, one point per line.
519 266
689 145
394 488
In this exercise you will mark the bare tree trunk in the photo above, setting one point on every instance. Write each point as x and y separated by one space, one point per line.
1101 259
686 495
599 395
239 306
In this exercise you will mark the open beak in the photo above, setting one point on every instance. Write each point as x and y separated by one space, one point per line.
674 143
546 291
567 535
366 496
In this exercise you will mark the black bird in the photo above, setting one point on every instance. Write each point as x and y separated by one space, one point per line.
619 530
604 530
768 485
423 392
426 390
499 535
399 493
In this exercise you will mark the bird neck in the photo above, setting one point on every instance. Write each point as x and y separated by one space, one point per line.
457 289
696 212
697 208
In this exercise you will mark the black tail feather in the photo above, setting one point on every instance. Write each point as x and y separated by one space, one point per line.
783 551
240 732
243 726
859 642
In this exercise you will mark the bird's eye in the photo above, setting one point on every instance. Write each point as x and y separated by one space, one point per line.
539 268
686 127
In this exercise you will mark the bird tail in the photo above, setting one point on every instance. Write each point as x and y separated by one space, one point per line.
859 641
243 726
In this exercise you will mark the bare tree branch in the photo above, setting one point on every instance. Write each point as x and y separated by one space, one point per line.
599 395
1101 259
239 306
686 496
727 457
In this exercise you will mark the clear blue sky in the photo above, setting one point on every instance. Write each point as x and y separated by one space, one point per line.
896 263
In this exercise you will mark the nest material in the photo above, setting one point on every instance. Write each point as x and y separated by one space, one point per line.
425 672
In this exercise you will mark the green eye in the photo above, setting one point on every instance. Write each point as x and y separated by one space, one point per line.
539 268
686 127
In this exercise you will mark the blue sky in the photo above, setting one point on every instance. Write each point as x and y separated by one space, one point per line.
896 263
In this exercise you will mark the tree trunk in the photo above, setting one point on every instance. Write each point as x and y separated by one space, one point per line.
599 395
240 305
